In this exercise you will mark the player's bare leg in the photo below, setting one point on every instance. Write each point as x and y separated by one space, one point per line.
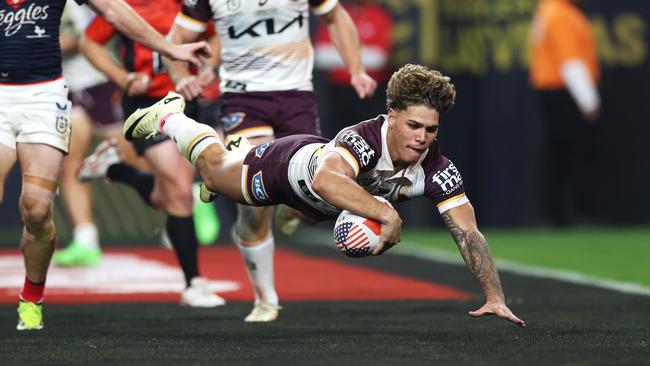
84 249
7 160
254 238
41 166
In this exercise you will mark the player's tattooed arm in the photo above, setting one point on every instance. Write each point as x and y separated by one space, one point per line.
476 253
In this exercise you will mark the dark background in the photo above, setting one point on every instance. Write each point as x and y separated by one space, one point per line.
493 133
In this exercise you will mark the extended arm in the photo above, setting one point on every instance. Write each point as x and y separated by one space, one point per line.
334 182
345 38
461 223
98 55
127 21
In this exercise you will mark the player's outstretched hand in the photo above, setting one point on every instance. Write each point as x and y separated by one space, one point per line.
193 52
500 310
363 84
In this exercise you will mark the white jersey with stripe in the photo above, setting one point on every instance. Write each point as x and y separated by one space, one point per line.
265 44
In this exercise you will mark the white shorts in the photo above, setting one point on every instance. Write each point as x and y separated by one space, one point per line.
35 113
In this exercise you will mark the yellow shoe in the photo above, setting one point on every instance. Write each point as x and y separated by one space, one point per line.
30 316
144 123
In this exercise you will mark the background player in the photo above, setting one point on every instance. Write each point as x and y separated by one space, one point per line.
35 120
265 73
142 77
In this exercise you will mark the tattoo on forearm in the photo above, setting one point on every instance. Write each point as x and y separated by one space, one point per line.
473 247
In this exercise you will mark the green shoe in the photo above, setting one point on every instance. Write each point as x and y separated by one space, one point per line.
77 255
206 220
30 316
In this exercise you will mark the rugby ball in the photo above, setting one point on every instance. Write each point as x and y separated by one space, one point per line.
356 236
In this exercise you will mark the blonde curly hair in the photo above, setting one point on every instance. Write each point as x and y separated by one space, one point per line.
419 85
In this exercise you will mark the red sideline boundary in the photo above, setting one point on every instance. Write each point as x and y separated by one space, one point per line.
298 278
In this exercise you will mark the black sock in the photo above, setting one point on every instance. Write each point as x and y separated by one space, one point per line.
141 181
183 237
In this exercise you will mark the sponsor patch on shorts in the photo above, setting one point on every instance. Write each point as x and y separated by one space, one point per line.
259 151
258 188
232 120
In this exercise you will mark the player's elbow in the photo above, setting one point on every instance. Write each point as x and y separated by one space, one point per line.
322 183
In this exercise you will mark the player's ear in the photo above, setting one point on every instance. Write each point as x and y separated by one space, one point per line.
391 118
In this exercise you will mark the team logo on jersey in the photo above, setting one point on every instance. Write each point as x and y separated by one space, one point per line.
15 3
190 3
232 120
261 149
12 22
233 4
359 146
448 179
267 26
258 188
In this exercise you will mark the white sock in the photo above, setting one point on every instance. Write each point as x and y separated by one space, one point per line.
191 137
86 235
259 265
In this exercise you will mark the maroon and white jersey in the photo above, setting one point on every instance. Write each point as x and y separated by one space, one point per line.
365 148
265 44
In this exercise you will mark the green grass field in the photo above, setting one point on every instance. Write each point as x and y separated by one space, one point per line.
612 253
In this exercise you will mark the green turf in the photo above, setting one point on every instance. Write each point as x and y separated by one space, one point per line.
618 254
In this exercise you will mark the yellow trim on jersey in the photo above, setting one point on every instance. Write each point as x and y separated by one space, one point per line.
347 156
450 199
244 184
190 23
325 7
256 132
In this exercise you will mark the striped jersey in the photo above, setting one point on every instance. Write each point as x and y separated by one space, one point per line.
29 40
265 44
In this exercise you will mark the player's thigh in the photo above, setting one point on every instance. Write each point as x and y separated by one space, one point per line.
81 136
40 160
7 161
173 173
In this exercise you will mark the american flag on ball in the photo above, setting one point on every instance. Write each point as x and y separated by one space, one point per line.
352 240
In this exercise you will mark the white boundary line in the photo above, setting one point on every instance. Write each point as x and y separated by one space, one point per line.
438 255
528 270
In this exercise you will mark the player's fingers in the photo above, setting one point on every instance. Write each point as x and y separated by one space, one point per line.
508 315
479 313
379 248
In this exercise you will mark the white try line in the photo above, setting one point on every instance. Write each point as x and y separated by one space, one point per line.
523 269
323 238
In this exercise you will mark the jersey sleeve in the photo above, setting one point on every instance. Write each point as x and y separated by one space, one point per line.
359 152
99 30
194 15
320 7
444 185
558 27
